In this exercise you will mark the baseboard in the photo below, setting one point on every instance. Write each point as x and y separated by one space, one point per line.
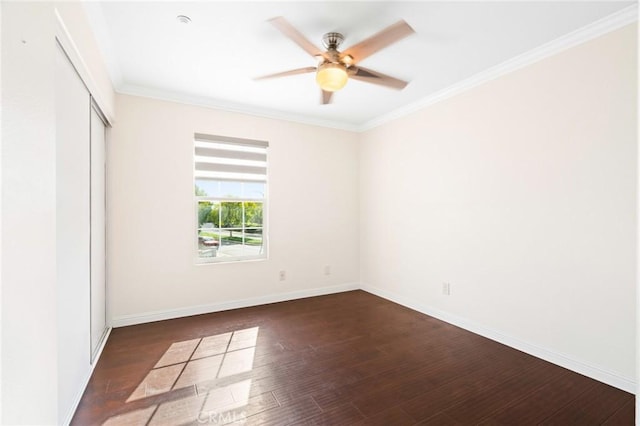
85 381
126 320
554 357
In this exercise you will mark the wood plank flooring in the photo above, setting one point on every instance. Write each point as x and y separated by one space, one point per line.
343 359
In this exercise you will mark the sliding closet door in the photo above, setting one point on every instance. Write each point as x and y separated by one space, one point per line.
73 106
98 238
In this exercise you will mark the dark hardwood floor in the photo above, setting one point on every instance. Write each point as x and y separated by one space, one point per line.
343 359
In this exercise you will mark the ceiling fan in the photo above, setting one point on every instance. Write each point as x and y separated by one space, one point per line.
335 67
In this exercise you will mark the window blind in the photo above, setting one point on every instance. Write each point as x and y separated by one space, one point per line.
222 158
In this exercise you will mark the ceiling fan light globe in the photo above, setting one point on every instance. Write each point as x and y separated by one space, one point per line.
331 77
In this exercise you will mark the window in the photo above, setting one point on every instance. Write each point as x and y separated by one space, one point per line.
230 177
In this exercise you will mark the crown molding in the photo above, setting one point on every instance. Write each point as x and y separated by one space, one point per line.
597 28
205 102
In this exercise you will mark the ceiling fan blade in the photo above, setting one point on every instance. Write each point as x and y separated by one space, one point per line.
286 73
326 97
370 76
379 41
296 36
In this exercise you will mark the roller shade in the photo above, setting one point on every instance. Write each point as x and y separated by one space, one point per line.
222 158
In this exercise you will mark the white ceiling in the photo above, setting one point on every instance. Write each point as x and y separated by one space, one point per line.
213 60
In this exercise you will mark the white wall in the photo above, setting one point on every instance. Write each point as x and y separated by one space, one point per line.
313 212
29 361
0 218
30 330
521 193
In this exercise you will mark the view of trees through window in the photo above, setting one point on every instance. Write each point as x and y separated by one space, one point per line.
229 227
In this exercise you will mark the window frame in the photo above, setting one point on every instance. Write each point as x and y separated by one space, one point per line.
264 252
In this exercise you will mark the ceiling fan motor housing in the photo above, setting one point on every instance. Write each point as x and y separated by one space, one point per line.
331 41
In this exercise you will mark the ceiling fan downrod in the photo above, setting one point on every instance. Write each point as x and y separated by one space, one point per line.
331 41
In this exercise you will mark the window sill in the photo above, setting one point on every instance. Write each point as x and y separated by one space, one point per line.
220 260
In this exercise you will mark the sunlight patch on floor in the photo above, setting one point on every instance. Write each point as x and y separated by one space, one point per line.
212 361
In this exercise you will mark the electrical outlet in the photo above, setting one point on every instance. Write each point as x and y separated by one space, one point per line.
283 275
327 269
446 289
